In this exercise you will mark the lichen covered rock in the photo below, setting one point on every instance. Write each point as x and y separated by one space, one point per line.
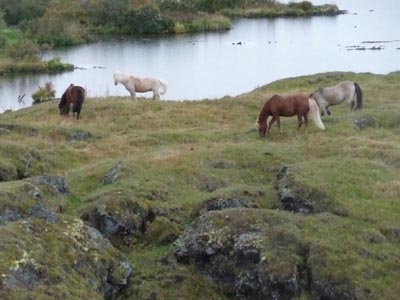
66 260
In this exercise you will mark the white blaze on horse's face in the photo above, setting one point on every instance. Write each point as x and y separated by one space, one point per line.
258 123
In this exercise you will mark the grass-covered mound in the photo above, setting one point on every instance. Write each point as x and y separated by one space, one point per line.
148 173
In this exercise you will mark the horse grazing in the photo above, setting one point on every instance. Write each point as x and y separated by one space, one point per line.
141 85
334 95
287 106
74 95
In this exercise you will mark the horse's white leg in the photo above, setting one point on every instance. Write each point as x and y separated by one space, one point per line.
156 95
133 94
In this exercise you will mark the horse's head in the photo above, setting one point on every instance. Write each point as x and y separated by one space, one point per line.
262 127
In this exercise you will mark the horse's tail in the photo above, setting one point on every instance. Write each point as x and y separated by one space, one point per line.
359 103
314 114
164 87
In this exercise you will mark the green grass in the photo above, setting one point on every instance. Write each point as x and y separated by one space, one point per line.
12 35
172 152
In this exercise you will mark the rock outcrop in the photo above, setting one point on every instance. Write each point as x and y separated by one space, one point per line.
259 254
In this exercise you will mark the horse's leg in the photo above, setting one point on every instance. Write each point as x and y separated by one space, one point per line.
275 118
305 122
352 105
270 124
278 123
324 106
156 95
300 121
133 94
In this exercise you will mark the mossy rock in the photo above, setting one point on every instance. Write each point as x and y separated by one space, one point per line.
262 254
67 259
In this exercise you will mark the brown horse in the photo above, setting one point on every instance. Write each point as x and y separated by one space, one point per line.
74 95
287 106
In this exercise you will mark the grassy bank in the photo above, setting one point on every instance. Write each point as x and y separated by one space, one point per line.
10 66
20 55
278 10
179 155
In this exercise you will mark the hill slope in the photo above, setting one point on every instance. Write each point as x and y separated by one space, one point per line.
193 201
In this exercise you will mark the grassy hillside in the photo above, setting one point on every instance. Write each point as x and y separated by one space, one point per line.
177 156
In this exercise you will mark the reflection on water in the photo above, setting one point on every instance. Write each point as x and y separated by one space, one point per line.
253 53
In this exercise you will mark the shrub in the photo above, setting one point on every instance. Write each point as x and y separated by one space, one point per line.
106 12
172 5
44 94
146 20
55 65
3 41
304 5
61 25
17 11
24 49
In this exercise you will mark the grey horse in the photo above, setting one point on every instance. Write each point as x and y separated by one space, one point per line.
333 95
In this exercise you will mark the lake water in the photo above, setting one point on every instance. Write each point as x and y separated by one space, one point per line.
211 65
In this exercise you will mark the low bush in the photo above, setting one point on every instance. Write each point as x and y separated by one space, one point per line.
146 20
55 65
44 94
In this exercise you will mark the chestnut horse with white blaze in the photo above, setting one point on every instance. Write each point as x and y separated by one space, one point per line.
288 106
141 85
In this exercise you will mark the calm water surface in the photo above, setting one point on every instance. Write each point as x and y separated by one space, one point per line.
214 64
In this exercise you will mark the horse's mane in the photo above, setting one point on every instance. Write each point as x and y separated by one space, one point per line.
264 111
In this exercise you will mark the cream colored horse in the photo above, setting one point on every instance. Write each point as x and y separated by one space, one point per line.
333 95
141 85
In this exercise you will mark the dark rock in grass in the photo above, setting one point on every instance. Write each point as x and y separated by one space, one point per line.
222 164
112 175
119 218
20 162
210 184
222 203
33 198
392 233
39 211
116 227
8 216
57 183
363 122
26 277
8 173
297 198
25 130
79 136
125 222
